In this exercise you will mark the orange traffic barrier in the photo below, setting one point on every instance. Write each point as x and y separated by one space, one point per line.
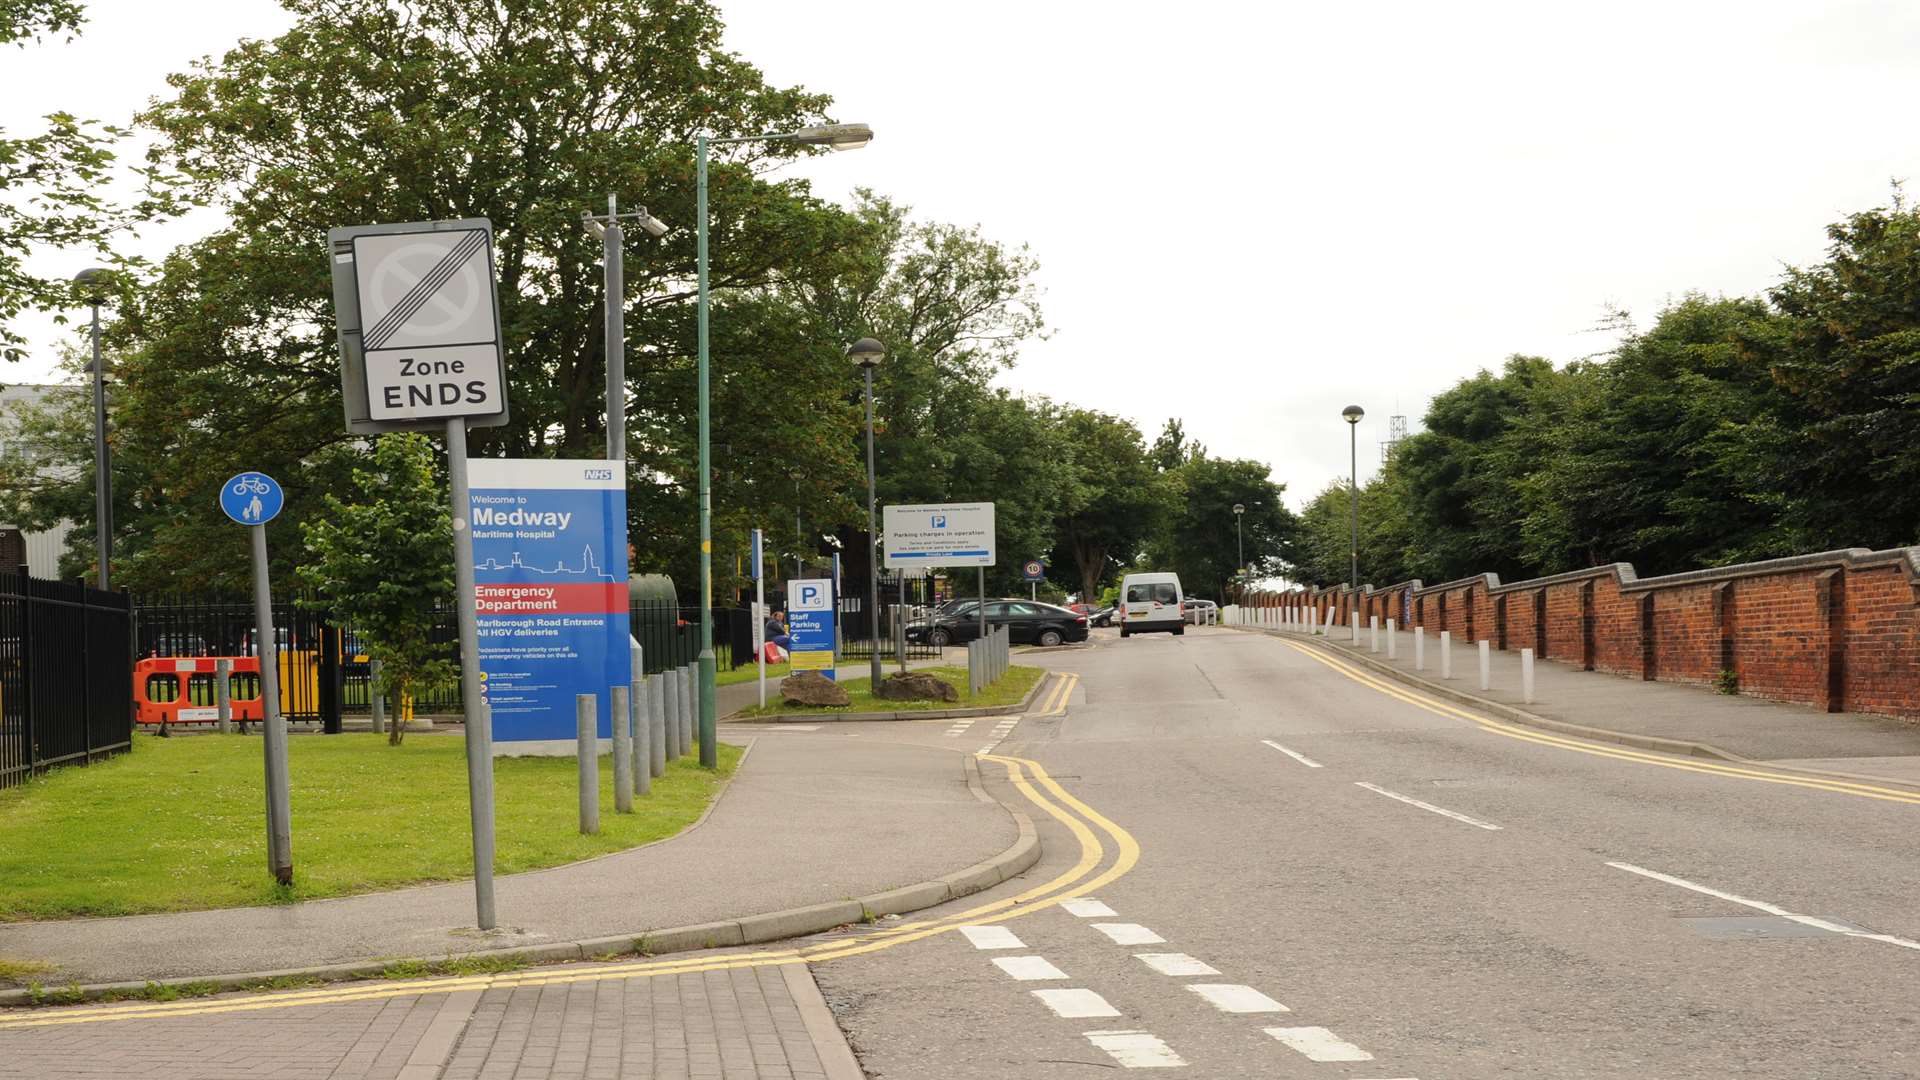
180 690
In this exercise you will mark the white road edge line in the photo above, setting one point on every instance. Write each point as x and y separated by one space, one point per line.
1295 755
1176 964
1028 968
1760 905
1075 1004
1136 1049
1319 1044
1442 811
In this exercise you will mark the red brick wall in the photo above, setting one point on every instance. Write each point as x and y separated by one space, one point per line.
1616 628
1566 639
1686 638
1456 616
1779 639
1883 642
1520 621
1483 620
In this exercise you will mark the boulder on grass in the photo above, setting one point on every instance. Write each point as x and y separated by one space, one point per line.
812 688
915 686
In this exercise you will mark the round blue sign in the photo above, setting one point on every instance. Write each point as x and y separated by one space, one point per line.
252 498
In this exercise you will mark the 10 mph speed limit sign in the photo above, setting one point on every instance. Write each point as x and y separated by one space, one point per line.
419 325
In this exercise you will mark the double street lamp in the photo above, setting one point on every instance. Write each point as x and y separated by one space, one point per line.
94 282
1352 415
867 353
1239 539
834 136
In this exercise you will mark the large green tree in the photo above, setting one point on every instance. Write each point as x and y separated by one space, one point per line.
1114 503
1199 537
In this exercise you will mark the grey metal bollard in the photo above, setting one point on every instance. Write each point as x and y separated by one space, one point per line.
376 696
1373 633
620 715
1419 648
1393 650
670 681
642 736
687 676
1446 654
1526 675
1486 665
223 695
657 722
585 713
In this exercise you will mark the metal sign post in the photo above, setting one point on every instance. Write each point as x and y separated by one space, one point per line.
760 617
253 499
418 314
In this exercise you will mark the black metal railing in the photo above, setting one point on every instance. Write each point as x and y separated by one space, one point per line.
66 675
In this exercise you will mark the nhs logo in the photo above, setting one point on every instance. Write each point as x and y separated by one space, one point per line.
597 474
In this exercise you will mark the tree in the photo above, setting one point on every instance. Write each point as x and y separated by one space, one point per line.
383 561
1116 500
1198 540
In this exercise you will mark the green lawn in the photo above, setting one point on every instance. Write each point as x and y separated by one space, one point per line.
775 672
1008 691
178 824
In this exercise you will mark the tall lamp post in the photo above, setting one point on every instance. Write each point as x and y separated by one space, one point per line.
868 353
1353 413
838 137
94 282
1240 542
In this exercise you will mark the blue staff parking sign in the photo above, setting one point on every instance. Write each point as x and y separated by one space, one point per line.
810 624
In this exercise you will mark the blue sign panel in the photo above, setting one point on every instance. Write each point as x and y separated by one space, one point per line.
810 622
252 498
550 584
756 555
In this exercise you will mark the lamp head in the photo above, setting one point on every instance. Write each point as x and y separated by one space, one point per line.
1353 413
866 352
836 136
94 281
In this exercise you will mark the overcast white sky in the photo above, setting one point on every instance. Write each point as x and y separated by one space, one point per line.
1249 215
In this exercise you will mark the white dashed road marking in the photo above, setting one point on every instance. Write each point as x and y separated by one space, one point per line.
1319 1044
1126 933
1761 905
1028 968
1442 811
992 937
1294 754
1075 1004
959 728
1136 1049
1177 964
1234 998
1087 908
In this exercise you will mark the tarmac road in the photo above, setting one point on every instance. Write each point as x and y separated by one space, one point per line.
1334 880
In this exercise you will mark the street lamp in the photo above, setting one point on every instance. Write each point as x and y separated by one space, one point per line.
867 353
94 282
799 529
1239 539
834 136
614 271
1353 413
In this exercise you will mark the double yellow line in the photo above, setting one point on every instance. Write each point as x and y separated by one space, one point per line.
1083 877
1057 697
1665 761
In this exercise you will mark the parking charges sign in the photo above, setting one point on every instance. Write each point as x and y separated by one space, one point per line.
550 581
419 325
939 534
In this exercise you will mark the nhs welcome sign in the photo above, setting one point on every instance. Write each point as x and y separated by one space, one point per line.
550 582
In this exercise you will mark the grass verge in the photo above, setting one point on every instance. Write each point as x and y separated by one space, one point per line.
1008 691
176 825
775 672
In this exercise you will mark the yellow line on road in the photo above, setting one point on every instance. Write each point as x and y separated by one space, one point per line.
1071 883
1563 742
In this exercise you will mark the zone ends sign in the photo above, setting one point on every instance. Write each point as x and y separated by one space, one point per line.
419 322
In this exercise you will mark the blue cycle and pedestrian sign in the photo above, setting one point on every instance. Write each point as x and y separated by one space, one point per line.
252 498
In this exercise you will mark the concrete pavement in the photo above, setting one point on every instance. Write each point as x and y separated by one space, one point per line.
812 817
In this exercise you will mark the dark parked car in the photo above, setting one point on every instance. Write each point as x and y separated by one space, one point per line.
1028 623
1103 617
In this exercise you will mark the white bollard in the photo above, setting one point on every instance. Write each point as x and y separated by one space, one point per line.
1373 633
1446 654
1486 665
1354 636
1393 650
1526 675
1419 648
1329 628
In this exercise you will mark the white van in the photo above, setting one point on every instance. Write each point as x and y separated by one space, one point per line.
1150 602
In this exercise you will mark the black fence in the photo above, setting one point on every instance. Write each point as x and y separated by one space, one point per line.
66 675
903 601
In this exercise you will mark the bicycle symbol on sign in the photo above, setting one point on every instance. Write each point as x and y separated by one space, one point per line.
250 485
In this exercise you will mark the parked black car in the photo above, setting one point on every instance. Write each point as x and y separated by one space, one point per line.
1103 617
1028 622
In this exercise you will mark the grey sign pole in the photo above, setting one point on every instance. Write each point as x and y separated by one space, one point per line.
616 284
983 603
479 723
267 645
